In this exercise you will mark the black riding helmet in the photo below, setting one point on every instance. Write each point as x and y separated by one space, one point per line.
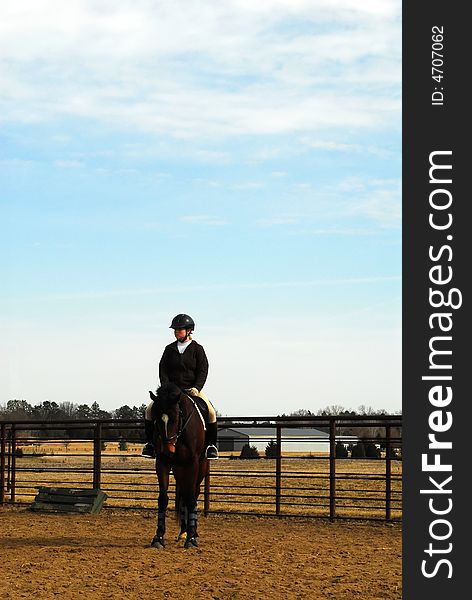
182 322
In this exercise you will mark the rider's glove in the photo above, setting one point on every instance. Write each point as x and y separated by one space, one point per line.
192 391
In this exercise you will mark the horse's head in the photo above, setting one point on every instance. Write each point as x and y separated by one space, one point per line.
166 414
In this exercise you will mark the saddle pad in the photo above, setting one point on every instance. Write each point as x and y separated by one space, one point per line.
202 407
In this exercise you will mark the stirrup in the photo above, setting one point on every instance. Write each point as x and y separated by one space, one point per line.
148 451
211 452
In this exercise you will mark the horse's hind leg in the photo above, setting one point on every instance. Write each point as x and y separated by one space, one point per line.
203 471
183 522
162 502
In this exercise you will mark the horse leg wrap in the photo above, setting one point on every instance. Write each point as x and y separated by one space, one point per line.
192 524
183 518
192 530
161 523
158 539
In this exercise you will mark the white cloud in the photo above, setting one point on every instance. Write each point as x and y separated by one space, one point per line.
203 289
207 183
17 162
278 220
327 145
379 201
69 164
189 69
248 185
203 220
320 144
335 209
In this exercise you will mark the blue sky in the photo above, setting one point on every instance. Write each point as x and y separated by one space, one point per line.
236 161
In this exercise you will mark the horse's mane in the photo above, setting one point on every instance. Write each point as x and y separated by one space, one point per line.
168 394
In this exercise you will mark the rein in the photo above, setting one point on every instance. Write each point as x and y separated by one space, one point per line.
181 428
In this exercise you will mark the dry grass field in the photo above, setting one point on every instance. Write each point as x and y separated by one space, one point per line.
246 486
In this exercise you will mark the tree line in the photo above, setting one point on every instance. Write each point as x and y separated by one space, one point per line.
371 438
21 410
337 410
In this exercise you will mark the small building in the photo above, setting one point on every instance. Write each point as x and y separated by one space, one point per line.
231 440
300 439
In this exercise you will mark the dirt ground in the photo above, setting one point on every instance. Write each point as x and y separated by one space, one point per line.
108 556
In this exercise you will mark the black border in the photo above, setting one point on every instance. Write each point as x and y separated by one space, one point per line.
428 128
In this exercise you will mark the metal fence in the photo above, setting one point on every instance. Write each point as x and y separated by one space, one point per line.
331 467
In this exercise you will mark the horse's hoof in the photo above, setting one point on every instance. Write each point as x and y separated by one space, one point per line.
157 542
191 543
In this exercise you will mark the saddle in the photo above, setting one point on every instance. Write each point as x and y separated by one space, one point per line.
202 407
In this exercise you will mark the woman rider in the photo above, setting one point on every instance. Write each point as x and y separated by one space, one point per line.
184 363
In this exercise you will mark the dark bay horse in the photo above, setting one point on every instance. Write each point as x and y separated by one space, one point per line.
180 447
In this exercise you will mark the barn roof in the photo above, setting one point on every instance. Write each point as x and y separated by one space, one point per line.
231 432
270 432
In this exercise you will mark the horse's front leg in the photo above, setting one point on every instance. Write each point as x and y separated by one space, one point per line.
203 470
183 519
186 475
162 502
190 501
192 535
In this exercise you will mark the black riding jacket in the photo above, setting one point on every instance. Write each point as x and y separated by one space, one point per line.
186 370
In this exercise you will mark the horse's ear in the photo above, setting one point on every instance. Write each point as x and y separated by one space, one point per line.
152 395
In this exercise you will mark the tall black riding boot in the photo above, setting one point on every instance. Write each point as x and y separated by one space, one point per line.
211 437
149 450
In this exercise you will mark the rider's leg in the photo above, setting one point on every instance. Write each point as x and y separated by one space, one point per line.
212 434
148 450
212 428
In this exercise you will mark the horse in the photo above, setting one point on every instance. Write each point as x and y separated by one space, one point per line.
180 447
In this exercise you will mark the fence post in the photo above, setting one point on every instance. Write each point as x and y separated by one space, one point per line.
2 464
332 469
97 455
278 469
206 492
13 464
388 473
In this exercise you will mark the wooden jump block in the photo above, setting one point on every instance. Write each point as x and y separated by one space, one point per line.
68 500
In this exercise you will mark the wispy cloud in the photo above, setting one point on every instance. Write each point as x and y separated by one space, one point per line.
238 120
208 183
69 164
351 206
203 220
326 145
17 162
248 185
195 288
379 201
278 221
258 73
320 144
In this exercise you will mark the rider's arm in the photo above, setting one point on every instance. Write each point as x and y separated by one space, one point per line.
163 376
201 371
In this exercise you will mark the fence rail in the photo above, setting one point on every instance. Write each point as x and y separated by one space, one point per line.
307 473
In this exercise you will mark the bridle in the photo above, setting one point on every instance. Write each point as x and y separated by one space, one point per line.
172 440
